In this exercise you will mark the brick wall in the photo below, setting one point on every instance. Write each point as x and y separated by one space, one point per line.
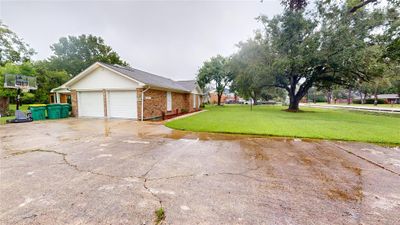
180 101
198 103
74 103
155 103
105 102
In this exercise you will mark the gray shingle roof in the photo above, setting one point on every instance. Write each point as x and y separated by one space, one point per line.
188 84
148 78
385 96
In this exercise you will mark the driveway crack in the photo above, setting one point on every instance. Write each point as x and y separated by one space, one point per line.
243 174
145 183
65 160
75 167
365 159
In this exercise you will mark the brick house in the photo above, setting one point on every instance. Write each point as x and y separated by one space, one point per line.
113 91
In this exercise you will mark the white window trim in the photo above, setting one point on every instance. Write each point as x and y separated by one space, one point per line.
169 97
194 101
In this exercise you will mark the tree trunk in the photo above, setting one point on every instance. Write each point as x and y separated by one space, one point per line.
376 98
4 103
254 101
219 99
294 104
329 97
349 97
363 98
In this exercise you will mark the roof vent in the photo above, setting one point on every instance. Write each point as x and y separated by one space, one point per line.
124 67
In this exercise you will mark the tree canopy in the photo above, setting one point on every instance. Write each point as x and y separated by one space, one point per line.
249 69
74 54
323 47
12 48
215 71
356 5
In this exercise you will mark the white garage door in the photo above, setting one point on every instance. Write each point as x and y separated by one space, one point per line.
91 104
122 104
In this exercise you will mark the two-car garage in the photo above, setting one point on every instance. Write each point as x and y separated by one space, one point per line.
112 104
101 92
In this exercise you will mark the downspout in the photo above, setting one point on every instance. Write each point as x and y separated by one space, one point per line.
143 100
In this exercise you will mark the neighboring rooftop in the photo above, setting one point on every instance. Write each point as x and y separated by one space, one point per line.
385 96
382 96
149 78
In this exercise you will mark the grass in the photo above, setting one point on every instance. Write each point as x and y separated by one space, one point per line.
311 123
13 107
363 105
160 215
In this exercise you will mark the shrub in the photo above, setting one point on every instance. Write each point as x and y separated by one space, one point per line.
28 98
369 101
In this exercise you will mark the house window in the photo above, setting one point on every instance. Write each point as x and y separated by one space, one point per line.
194 101
52 98
169 101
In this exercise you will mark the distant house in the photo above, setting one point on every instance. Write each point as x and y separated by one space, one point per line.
387 98
390 98
113 91
225 98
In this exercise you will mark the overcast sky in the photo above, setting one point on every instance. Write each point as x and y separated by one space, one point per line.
168 38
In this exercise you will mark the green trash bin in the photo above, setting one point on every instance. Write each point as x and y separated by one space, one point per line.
54 111
65 108
38 112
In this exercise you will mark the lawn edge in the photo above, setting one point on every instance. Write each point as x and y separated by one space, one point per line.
384 144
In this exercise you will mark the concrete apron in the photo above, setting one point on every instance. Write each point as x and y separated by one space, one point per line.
94 171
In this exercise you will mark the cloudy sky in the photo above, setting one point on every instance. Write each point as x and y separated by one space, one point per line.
169 38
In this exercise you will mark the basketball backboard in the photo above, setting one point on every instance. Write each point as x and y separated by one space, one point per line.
19 81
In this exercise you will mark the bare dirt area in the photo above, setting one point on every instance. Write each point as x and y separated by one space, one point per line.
94 171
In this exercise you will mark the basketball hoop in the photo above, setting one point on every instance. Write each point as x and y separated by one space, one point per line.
22 83
19 81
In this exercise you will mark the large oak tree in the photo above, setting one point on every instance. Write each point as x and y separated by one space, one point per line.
323 48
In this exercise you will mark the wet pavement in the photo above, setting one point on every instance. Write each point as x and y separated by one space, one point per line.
92 171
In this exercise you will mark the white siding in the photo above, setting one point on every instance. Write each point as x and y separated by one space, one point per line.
198 100
101 78
197 91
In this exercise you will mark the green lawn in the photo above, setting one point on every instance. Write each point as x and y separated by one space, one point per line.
363 105
312 123
24 108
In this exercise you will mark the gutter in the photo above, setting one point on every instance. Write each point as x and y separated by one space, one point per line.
143 100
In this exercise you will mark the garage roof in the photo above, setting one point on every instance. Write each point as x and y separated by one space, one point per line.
148 78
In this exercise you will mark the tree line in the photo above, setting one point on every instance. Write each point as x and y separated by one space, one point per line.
70 56
323 46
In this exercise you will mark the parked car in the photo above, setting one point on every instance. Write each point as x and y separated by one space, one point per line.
269 102
230 101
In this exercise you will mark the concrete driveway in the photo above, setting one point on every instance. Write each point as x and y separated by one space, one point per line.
92 171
